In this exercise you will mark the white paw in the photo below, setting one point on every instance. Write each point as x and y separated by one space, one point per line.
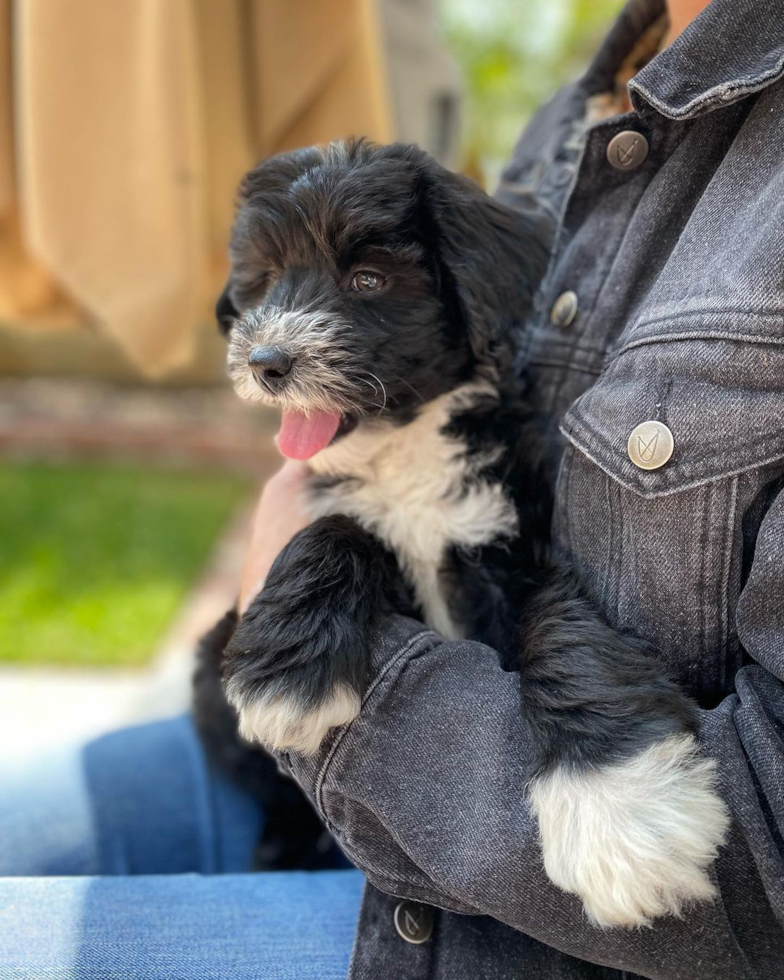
634 840
282 723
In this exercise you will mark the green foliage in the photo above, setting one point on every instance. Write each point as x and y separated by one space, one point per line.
95 559
513 55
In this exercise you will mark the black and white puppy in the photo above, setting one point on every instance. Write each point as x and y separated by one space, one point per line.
375 298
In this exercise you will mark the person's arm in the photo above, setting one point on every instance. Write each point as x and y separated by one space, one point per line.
426 791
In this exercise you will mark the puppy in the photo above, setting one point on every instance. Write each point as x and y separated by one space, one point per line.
377 300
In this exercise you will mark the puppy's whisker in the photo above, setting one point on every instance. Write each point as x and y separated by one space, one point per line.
370 385
418 395
384 390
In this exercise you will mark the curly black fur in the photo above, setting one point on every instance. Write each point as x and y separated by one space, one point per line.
308 629
293 837
459 272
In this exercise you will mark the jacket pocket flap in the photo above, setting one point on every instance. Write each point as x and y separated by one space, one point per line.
722 399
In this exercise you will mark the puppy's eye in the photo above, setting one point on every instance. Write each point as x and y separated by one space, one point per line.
367 282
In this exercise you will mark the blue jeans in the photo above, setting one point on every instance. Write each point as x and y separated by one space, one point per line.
128 858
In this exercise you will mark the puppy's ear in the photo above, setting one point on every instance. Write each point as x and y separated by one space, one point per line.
492 257
269 178
225 311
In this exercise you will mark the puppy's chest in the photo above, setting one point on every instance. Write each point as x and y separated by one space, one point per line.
421 495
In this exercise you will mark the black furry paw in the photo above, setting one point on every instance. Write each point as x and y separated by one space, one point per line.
295 666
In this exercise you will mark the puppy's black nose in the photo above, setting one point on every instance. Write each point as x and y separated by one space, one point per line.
269 365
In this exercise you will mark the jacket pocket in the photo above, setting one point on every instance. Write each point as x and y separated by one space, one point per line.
719 391
661 551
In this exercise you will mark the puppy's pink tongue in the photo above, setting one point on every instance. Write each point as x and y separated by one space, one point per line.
302 436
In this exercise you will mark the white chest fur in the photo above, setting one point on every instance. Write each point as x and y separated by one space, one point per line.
410 486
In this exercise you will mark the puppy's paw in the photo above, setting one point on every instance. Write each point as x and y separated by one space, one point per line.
286 720
634 840
296 664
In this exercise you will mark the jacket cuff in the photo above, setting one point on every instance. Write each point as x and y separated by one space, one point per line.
396 638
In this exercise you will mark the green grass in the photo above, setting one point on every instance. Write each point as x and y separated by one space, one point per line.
95 559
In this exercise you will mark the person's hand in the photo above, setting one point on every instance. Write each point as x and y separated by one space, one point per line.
279 515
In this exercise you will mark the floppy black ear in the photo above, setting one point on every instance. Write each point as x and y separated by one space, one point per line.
271 176
225 311
493 257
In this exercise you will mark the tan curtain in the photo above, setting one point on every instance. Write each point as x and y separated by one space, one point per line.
25 288
124 128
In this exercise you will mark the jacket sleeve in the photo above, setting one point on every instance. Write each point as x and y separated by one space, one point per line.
425 791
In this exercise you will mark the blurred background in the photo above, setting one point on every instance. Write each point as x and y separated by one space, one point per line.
127 465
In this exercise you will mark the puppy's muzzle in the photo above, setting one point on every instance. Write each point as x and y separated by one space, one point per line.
270 366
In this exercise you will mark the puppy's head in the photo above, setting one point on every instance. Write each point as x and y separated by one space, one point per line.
366 281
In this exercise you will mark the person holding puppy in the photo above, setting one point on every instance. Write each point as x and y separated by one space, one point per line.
662 171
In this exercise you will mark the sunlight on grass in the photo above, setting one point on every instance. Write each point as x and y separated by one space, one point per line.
95 559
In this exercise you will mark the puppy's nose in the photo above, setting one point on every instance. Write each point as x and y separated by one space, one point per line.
269 365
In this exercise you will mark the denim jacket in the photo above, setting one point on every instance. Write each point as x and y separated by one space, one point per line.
677 316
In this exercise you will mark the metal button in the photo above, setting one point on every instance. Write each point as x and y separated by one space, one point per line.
564 309
650 445
627 150
414 922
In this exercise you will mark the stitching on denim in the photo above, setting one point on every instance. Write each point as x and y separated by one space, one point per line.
724 612
672 338
604 273
559 234
720 95
755 312
669 491
594 372
367 866
550 344
419 894
614 508
742 958
696 672
406 650
717 335
621 454
563 492
569 345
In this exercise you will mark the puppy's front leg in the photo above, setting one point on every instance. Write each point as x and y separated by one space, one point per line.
629 816
295 666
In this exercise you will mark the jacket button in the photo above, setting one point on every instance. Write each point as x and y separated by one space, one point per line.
414 922
650 445
627 150
564 309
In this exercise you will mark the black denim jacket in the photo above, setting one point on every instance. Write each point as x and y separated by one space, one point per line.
677 270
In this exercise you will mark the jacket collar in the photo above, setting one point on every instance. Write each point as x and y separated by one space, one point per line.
732 49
